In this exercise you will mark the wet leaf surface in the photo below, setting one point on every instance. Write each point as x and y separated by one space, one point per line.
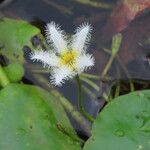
33 119
130 18
123 124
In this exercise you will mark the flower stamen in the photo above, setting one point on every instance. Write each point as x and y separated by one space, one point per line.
68 58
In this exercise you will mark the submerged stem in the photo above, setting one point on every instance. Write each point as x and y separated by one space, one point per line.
91 83
127 74
91 76
96 77
65 103
108 65
80 101
74 113
3 78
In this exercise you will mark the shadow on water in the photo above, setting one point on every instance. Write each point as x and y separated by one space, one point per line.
133 61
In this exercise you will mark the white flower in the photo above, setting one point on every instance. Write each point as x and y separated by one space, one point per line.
67 58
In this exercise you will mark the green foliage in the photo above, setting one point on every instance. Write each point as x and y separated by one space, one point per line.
14 72
116 42
14 34
124 124
32 119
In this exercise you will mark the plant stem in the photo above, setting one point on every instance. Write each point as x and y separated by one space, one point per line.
74 113
97 4
39 71
80 101
91 76
65 103
3 78
115 46
96 77
91 83
89 92
105 71
117 92
108 65
128 75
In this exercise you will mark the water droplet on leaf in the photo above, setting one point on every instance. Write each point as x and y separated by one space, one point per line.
144 116
21 131
140 146
119 133
140 94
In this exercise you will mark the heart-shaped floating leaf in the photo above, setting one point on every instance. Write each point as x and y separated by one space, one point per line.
124 124
29 121
14 34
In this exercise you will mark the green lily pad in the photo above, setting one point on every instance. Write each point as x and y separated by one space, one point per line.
29 121
124 124
14 35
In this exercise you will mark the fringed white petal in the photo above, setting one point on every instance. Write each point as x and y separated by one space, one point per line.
84 62
79 42
81 38
48 59
56 37
59 75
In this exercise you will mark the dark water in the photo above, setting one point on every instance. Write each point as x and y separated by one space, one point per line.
134 54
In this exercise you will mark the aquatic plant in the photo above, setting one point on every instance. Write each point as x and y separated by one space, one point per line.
69 57
39 115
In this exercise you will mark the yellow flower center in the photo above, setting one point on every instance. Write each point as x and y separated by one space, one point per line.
68 58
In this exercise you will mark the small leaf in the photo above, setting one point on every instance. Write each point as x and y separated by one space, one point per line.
116 42
14 34
14 72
